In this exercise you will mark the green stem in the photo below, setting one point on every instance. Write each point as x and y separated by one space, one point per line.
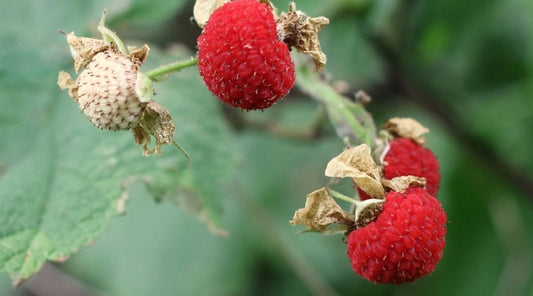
341 196
350 119
159 73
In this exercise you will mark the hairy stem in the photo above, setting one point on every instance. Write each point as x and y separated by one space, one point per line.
340 196
350 119
161 72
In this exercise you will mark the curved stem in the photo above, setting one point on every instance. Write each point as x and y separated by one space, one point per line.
159 73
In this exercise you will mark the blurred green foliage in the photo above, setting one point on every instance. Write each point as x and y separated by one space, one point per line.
462 68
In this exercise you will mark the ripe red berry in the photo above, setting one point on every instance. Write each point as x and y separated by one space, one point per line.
405 242
240 57
406 157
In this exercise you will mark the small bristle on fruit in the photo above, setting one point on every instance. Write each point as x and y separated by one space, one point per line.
406 157
240 57
106 91
404 243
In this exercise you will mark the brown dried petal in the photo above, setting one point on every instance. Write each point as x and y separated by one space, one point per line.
138 54
301 32
320 211
400 184
83 49
407 128
64 81
357 163
141 137
157 122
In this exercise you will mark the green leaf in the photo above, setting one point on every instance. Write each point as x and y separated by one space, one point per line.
62 180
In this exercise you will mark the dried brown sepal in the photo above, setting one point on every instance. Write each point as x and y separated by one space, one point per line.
407 128
320 211
64 81
138 54
155 121
83 49
204 8
358 164
301 32
141 137
400 184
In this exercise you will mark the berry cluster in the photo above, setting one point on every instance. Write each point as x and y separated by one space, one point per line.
407 239
396 232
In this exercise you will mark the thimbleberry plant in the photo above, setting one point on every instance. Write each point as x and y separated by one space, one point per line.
248 56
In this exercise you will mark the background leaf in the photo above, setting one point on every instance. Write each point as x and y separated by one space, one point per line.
63 180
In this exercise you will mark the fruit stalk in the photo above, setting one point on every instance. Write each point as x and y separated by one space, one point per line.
161 72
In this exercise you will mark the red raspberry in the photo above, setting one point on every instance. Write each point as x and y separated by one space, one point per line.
405 242
406 157
240 57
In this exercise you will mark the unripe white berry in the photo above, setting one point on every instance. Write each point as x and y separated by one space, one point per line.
106 91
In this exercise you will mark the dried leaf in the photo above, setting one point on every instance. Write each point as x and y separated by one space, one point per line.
357 163
301 32
407 128
400 184
320 211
